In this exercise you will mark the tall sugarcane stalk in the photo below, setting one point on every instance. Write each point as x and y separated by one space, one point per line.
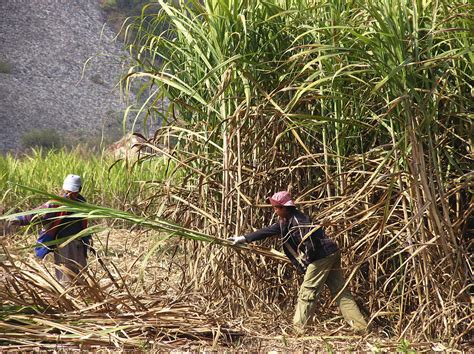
386 53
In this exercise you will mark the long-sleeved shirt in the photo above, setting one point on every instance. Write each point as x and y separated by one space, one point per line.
67 225
302 242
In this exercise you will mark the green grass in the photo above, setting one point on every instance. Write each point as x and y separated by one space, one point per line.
105 182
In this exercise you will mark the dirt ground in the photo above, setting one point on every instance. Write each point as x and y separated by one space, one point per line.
128 253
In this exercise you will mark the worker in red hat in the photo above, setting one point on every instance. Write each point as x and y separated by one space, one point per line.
314 255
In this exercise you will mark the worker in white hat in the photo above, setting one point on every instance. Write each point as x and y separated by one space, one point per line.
72 184
71 257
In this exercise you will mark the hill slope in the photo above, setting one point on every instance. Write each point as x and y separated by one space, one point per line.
44 82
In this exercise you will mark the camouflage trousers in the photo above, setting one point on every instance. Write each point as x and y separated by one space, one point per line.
326 271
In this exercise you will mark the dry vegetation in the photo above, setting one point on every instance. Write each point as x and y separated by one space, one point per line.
360 108
141 300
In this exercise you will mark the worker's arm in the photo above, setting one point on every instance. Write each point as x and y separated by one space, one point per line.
28 219
261 234
257 235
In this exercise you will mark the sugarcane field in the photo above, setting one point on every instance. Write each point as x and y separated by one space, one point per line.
252 176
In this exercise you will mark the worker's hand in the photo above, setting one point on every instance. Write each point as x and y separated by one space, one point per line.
10 226
237 240
11 220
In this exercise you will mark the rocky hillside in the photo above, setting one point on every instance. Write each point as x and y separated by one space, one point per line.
59 69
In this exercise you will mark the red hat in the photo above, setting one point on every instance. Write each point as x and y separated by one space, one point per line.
282 198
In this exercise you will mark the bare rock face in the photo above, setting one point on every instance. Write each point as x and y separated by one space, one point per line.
59 69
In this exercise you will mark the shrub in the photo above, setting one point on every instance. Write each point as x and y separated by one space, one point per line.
5 67
44 138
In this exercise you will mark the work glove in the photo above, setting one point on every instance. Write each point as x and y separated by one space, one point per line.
12 220
10 226
237 240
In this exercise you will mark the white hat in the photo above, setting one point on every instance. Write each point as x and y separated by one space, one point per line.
72 183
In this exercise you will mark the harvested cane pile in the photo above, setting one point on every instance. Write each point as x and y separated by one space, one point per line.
101 310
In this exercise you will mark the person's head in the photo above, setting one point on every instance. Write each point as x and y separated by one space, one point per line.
282 204
72 185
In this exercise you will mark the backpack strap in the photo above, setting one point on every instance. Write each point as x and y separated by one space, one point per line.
84 223
49 234
54 225
53 228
